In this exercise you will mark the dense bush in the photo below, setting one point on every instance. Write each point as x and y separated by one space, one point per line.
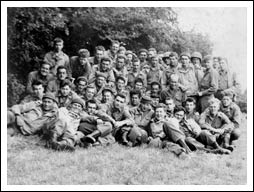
31 31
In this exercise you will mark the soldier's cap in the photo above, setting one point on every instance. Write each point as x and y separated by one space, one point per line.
83 53
108 88
185 54
155 83
121 56
128 52
100 74
173 54
166 55
229 93
82 78
146 99
120 77
79 101
49 95
196 55
142 50
207 58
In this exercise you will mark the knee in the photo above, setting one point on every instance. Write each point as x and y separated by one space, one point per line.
10 117
235 134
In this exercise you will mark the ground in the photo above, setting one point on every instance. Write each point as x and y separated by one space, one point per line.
29 163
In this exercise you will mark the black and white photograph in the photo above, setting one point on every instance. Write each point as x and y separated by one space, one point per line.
127 96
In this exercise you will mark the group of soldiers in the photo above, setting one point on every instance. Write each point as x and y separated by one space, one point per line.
180 102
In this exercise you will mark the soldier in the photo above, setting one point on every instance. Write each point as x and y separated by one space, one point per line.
155 89
63 134
196 138
38 92
120 88
233 112
54 85
80 65
217 123
169 107
142 116
30 118
107 95
81 86
99 54
57 57
65 95
139 85
142 55
99 84
135 73
120 68
216 64
166 61
151 53
155 73
90 92
104 67
121 119
227 80
208 85
174 91
190 107
172 68
196 59
112 52
135 96
130 57
95 126
187 76
42 75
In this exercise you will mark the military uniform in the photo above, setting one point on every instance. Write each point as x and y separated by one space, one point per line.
65 101
110 78
54 86
78 70
36 76
133 76
154 74
166 74
178 95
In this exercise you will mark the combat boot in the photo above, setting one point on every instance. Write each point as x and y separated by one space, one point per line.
91 138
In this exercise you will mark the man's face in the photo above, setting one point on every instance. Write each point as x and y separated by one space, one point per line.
81 85
45 68
120 84
135 100
119 102
155 88
155 61
173 61
99 54
223 65
76 107
115 47
38 90
214 108
129 57
190 106
159 113
167 60
100 81
207 64
83 61
62 74
179 115
185 61
173 83
91 107
155 101
105 65
150 54
58 46
65 90
47 104
90 92
196 61
120 63
107 96
138 86
143 56
170 104
226 101
216 63
136 66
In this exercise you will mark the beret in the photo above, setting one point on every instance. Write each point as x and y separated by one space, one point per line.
146 99
79 101
99 74
142 50
49 95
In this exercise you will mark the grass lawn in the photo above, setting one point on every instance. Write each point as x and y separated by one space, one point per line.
29 163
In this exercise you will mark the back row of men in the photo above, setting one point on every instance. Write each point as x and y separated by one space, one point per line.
128 90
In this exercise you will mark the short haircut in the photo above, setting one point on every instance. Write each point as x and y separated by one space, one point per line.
152 49
60 67
139 80
173 54
135 92
58 40
91 101
178 109
190 99
37 82
115 42
45 63
135 60
99 48
156 83
105 59
223 58
120 95
64 83
120 78
168 98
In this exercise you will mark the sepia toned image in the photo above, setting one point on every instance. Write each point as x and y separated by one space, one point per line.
127 96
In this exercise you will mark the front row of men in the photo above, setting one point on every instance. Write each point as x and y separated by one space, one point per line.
179 128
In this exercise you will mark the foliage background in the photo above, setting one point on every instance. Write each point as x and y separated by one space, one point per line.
31 31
